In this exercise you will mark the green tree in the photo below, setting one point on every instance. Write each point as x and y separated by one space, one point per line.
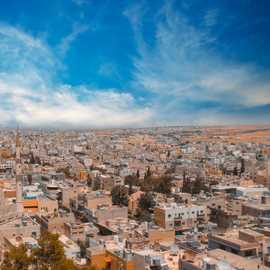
32 159
148 173
131 181
119 195
16 259
66 264
83 247
187 185
144 215
96 185
89 267
146 204
146 201
160 184
50 253
164 184
194 187
198 186
138 174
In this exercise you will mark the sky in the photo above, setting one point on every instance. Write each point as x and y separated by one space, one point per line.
123 63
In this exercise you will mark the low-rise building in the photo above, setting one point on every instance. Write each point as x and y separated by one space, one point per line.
180 217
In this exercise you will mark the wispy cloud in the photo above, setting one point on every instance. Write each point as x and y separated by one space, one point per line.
30 96
109 70
66 42
81 2
182 77
210 18
186 74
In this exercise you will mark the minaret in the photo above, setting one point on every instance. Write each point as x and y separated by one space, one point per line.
19 176
268 170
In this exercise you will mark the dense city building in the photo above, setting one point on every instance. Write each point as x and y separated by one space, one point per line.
157 198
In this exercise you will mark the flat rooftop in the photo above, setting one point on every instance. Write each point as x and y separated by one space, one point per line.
232 239
236 261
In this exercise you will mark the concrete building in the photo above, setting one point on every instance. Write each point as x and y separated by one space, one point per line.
245 243
75 231
180 217
54 223
96 199
71 249
133 202
21 227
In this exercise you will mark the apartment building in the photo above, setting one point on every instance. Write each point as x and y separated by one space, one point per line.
245 242
180 217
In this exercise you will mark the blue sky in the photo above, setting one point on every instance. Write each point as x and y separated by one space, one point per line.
86 63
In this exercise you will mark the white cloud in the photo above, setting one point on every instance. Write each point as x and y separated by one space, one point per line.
211 17
109 70
29 96
66 42
181 69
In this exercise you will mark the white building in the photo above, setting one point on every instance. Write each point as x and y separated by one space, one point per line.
72 250
182 216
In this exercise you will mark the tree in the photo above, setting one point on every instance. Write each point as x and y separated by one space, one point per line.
235 171
119 195
16 259
242 170
96 184
164 185
160 184
89 181
83 247
148 173
66 264
194 187
144 216
187 185
146 201
32 159
198 186
130 180
50 253
138 174
89 267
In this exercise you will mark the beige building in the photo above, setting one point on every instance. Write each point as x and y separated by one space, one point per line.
22 227
96 199
55 223
218 259
69 194
245 243
180 217
133 202
47 205
107 213
75 231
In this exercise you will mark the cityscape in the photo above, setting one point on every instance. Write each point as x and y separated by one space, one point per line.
134 135
152 198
